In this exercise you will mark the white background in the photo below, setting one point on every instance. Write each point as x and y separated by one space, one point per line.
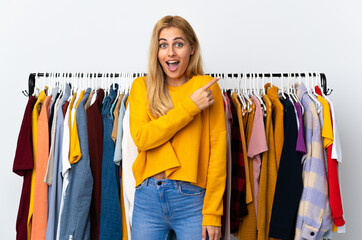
235 36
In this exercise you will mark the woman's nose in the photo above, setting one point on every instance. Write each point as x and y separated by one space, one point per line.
171 51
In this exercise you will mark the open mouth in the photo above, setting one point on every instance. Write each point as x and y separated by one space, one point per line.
172 65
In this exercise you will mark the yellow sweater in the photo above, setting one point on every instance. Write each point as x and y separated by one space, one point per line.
186 143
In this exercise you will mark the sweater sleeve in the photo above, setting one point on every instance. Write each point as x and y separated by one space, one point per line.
216 174
147 132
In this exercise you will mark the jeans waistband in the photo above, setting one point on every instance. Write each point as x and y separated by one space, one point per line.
164 182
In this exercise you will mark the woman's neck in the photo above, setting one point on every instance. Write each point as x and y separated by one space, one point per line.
176 82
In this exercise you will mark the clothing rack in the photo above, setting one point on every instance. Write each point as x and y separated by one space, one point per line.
323 78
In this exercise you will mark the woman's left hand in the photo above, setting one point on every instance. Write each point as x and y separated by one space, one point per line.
213 232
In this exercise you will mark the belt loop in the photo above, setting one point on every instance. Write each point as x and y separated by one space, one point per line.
176 183
146 182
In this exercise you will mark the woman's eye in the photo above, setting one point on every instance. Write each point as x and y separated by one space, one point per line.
179 44
163 45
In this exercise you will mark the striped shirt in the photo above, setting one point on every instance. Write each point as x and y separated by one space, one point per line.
314 214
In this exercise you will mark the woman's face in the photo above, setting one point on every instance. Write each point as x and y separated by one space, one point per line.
174 53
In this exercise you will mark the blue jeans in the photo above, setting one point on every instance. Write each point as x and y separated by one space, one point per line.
162 205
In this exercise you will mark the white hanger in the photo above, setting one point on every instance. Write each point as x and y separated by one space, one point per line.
310 94
239 94
257 95
289 92
282 85
295 93
314 84
94 87
246 93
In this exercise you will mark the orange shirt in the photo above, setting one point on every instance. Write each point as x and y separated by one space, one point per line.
40 207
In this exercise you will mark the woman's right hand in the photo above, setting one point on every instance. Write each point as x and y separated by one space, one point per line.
203 97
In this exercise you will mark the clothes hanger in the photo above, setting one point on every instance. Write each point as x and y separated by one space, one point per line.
119 85
310 94
294 93
239 94
128 81
257 94
319 84
289 92
95 87
282 85
247 92
314 79
262 84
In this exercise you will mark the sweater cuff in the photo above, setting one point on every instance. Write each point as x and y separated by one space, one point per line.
339 222
190 107
211 220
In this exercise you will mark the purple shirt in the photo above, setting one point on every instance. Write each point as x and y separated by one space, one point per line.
300 140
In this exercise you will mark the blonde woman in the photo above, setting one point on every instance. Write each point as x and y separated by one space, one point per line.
177 122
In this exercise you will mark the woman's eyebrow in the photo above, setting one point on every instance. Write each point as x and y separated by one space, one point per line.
177 38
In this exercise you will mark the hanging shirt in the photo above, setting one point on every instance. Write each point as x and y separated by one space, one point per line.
75 219
162 142
56 186
118 148
65 107
227 195
74 152
35 116
65 158
335 199
52 110
40 207
336 155
95 141
23 166
289 185
88 103
278 119
257 145
238 192
248 225
49 171
129 155
268 176
314 215
300 140
110 218
116 117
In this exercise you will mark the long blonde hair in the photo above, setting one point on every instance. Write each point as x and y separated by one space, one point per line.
159 98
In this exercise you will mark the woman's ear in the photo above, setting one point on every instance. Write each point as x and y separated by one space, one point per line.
192 49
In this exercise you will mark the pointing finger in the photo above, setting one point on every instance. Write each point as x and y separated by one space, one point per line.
209 84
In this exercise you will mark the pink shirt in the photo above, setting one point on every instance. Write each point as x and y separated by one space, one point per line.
257 145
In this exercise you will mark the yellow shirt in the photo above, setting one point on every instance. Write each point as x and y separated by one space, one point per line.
74 152
34 128
247 227
249 194
186 143
268 176
327 130
278 121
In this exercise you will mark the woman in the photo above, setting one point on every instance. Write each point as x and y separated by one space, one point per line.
177 122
